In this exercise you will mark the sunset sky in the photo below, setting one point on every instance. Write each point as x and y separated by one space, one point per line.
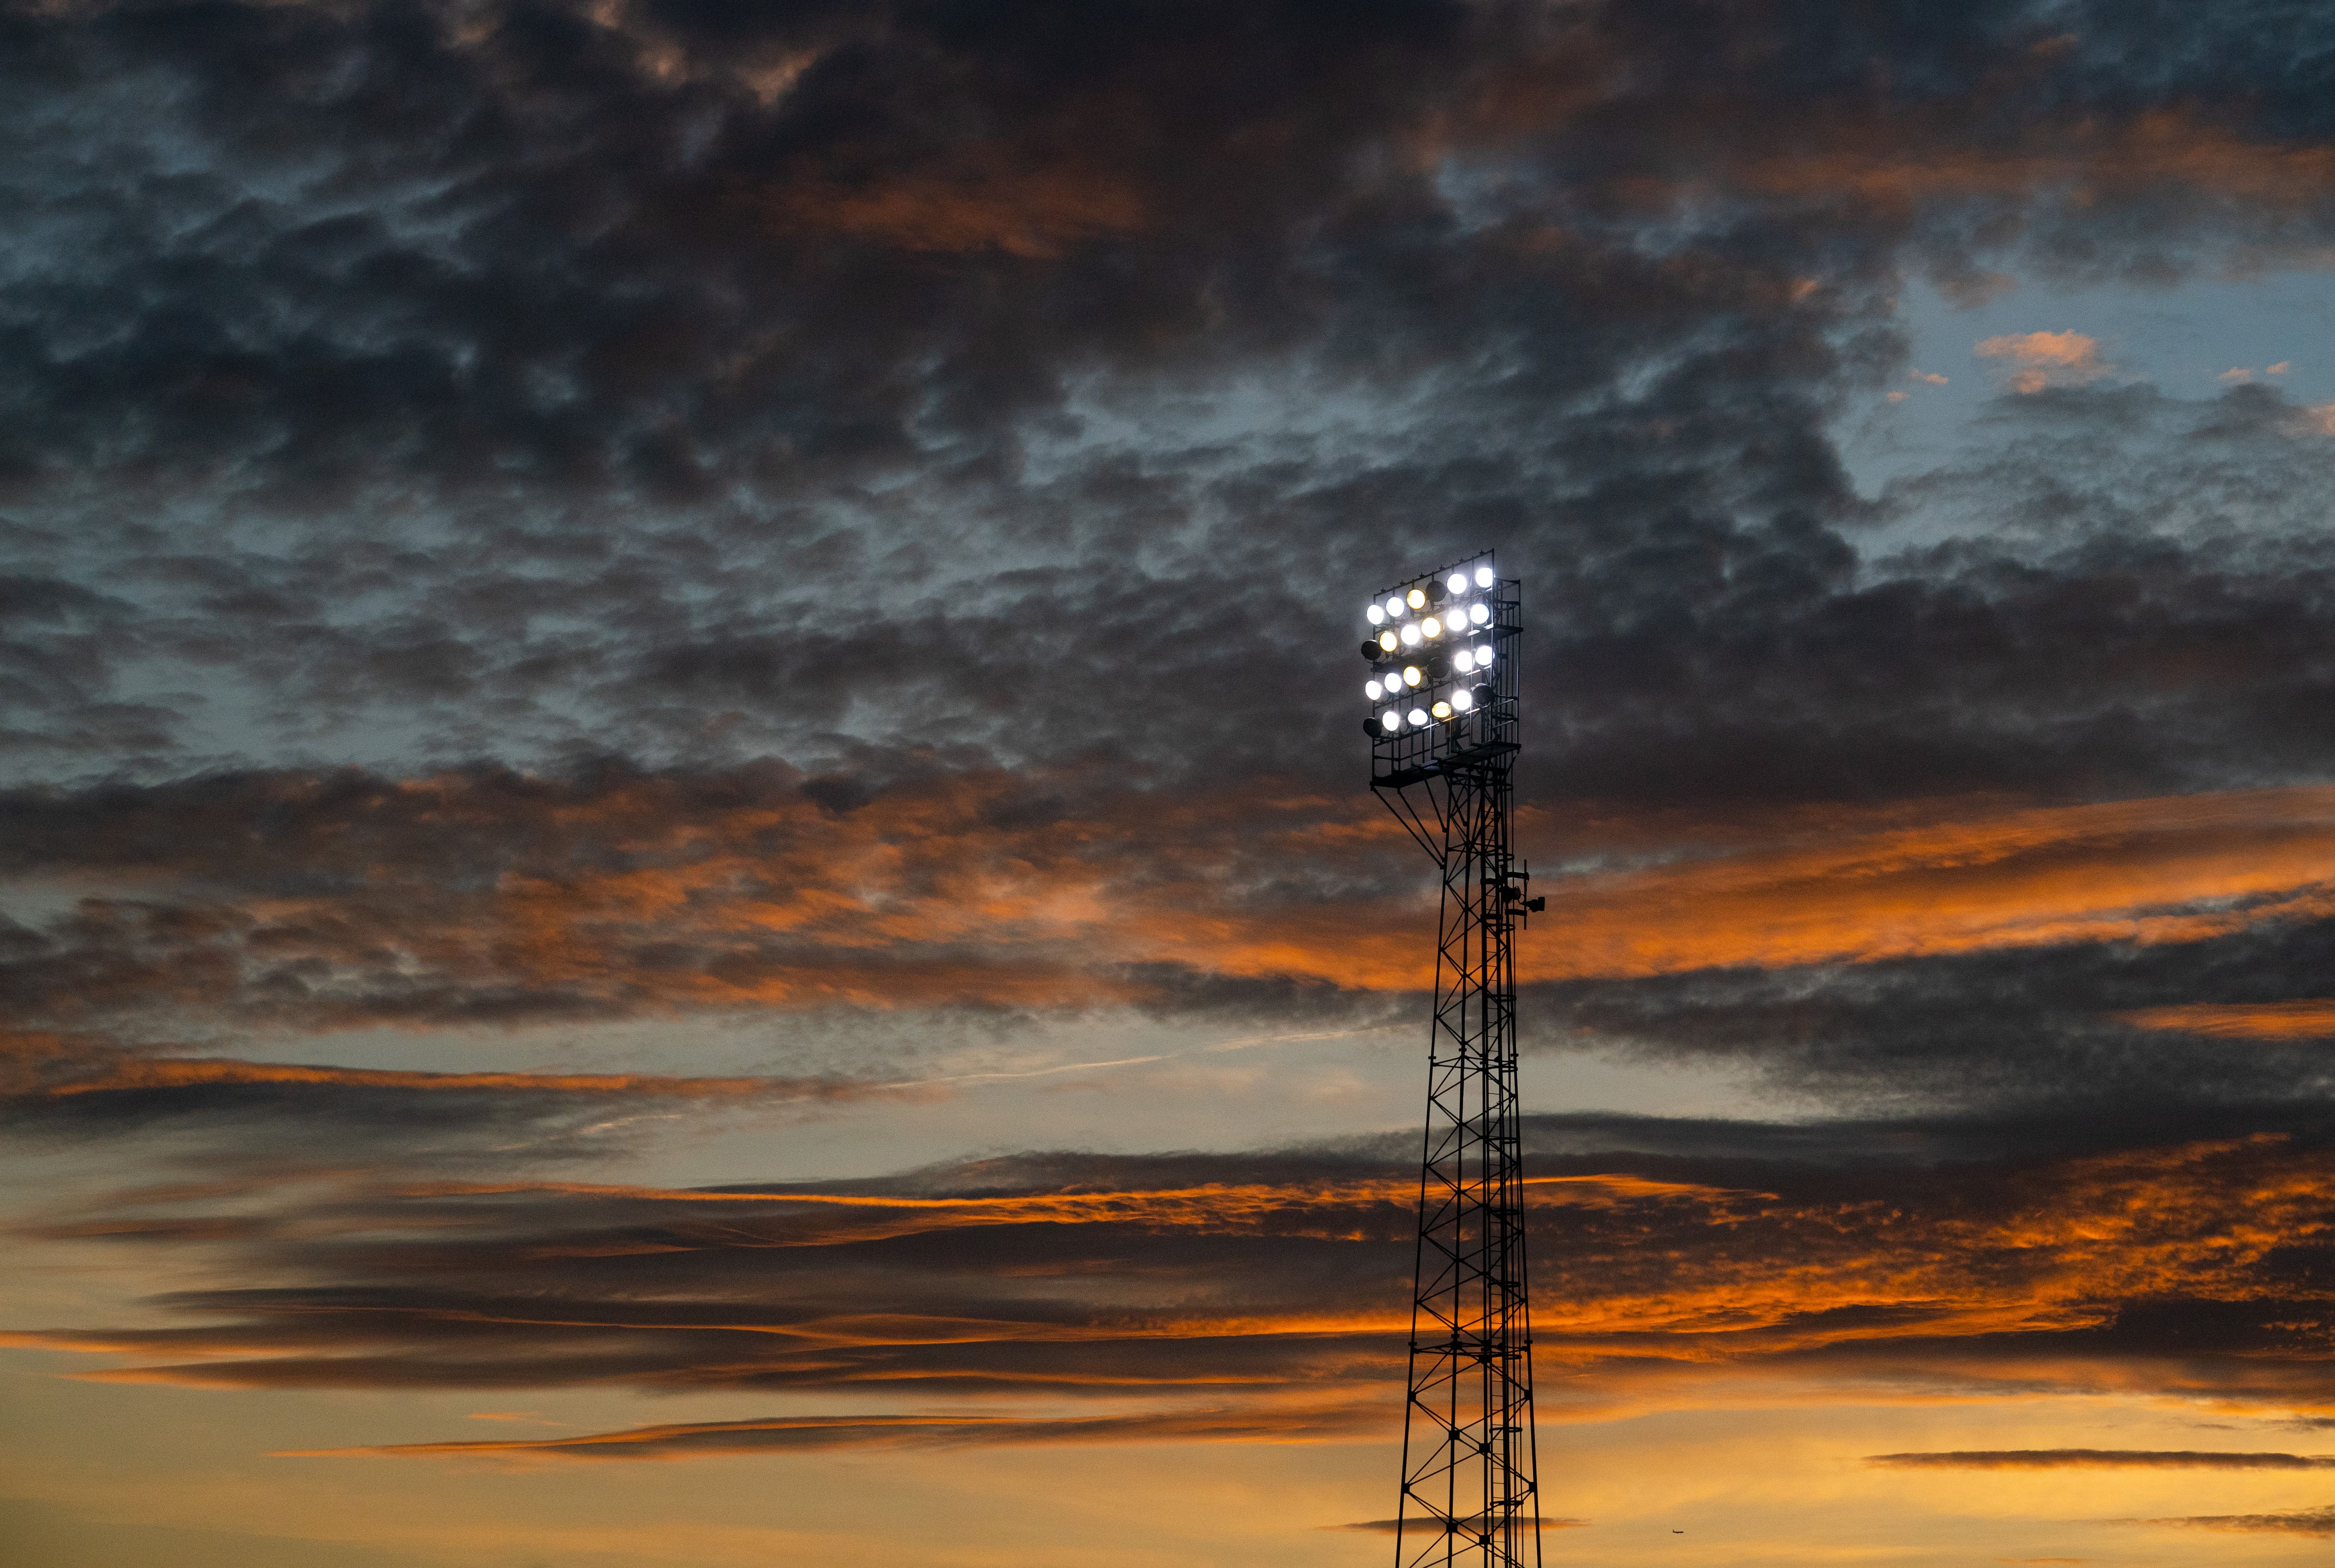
686 877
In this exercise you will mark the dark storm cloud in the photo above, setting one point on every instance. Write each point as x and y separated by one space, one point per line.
524 378
665 244
661 245
59 646
2139 603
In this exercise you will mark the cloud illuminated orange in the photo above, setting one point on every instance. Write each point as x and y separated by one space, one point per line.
594 1283
2046 359
2100 1459
2165 869
1434 1527
2307 1017
921 898
180 1072
1261 1423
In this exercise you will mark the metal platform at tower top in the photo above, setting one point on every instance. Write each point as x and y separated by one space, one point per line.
1470 1490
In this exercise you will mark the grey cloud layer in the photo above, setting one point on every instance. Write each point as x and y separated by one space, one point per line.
412 384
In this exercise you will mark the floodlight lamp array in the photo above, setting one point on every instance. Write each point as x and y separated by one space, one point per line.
1437 648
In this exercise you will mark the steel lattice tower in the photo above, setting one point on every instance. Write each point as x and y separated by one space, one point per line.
1443 765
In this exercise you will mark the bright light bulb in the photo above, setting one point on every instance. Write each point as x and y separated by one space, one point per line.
1418 718
1480 613
1411 677
1371 690
1457 582
1432 627
1389 641
1483 658
1441 710
1463 698
1416 598
1394 608
1390 721
1410 635
1484 577
1463 661
1375 614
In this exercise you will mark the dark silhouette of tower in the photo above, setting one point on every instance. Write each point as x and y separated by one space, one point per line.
1444 740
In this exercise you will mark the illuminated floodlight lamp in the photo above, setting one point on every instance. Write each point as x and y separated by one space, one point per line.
1430 644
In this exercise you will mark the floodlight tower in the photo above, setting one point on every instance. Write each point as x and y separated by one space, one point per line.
1443 743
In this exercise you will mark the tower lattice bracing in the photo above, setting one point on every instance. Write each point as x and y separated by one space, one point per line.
1469 1492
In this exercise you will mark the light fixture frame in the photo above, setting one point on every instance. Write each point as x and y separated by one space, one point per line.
1488 729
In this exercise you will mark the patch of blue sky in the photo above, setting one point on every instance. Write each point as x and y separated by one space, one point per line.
2192 339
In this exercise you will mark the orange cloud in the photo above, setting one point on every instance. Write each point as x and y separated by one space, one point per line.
650 901
2306 1018
2046 359
1258 1424
1033 213
1216 1202
1905 161
2173 868
1894 158
2100 1459
1626 1272
1428 1526
184 1073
